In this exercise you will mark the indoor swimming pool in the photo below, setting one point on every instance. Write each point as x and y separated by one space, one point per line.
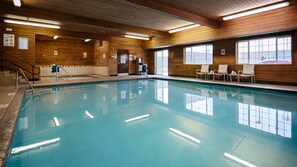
155 123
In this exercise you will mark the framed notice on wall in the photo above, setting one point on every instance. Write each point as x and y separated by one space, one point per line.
23 43
8 39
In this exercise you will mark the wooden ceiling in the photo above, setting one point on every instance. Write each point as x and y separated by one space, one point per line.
215 9
118 11
116 17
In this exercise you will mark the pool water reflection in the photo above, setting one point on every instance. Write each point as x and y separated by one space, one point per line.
155 123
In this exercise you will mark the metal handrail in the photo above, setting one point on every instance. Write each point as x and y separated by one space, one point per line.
18 66
27 80
66 71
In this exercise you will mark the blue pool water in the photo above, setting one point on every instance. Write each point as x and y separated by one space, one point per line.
183 124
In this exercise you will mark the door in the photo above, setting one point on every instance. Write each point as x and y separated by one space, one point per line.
123 63
161 62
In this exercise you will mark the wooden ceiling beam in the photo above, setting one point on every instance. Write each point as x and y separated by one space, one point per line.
66 19
178 13
71 34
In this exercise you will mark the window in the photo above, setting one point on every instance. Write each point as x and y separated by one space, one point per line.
161 62
200 54
275 50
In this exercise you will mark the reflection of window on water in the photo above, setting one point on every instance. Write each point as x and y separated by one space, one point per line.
266 119
123 94
161 91
199 104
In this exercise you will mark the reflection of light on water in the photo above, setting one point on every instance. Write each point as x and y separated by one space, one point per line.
137 118
234 158
35 145
89 115
184 135
266 119
57 123
23 123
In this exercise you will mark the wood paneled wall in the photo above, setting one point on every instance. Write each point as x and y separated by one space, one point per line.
26 55
265 73
135 49
19 31
283 19
70 52
101 53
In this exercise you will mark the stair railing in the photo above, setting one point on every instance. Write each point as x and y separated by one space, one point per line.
33 67
27 80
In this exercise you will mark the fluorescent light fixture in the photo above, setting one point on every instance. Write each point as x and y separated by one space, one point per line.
137 118
28 23
87 40
184 135
35 145
258 10
57 123
89 115
17 3
243 162
55 37
137 34
137 37
184 28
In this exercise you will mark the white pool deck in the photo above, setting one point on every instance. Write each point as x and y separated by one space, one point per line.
53 81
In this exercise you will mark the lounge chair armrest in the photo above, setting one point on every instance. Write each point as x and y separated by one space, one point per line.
198 70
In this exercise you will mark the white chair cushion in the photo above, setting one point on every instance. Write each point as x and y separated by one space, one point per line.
223 69
205 68
248 69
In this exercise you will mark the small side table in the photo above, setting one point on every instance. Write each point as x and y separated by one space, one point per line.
209 74
231 76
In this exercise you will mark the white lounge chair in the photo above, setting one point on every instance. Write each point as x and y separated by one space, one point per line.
203 71
247 72
222 71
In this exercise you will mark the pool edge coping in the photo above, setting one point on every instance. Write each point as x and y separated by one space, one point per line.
8 123
9 118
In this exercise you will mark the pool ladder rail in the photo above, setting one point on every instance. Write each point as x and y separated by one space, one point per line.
26 78
66 71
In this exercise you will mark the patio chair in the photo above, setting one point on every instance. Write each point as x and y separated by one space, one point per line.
222 71
203 71
247 72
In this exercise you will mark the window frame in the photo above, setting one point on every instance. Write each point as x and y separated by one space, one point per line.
191 46
276 37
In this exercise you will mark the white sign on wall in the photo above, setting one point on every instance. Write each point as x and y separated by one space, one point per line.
23 43
8 39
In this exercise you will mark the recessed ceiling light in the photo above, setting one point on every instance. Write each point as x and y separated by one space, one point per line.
17 3
258 10
87 40
55 37
137 37
28 23
184 28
